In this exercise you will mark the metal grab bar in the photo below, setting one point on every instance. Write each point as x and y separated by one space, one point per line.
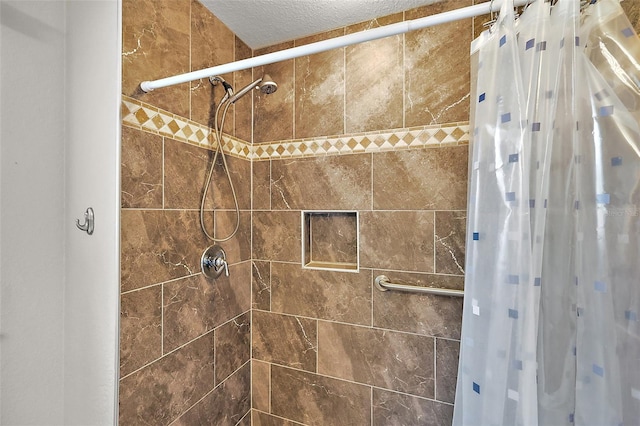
383 284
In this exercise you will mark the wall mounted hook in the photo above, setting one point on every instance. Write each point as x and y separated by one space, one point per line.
87 226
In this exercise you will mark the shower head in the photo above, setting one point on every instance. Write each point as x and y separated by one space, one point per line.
265 84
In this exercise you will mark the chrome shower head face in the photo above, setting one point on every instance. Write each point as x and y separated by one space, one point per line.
267 85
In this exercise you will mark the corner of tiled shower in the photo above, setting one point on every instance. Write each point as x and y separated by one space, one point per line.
275 343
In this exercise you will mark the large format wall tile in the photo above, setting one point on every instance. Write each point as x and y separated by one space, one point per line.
158 246
260 385
261 285
450 239
336 296
320 90
195 305
185 170
434 179
240 171
419 313
238 248
155 44
374 81
226 405
433 93
165 389
232 344
381 358
285 340
243 111
390 408
276 236
400 240
447 353
141 169
261 185
189 305
263 419
273 114
337 183
140 328
318 400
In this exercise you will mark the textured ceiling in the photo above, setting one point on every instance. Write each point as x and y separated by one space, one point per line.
261 23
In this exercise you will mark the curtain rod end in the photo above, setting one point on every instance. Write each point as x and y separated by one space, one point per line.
146 86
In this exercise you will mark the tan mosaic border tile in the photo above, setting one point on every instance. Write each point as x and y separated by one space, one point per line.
390 140
146 117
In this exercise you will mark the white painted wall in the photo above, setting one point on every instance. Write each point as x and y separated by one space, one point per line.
58 286
31 212
93 175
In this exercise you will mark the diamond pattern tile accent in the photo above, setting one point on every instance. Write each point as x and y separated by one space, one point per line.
157 121
440 135
458 133
141 116
146 117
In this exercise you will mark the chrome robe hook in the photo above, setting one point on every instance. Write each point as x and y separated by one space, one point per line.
87 226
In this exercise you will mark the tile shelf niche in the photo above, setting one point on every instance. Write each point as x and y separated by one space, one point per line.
330 240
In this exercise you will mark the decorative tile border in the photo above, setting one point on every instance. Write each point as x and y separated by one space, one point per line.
146 117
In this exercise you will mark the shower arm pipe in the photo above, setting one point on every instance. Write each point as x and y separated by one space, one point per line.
333 43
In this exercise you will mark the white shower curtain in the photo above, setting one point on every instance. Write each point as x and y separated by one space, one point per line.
551 322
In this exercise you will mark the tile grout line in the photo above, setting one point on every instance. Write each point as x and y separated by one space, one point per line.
344 87
371 404
317 346
404 73
163 173
435 368
435 236
293 104
162 319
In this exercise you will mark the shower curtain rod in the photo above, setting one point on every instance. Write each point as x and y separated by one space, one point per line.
333 43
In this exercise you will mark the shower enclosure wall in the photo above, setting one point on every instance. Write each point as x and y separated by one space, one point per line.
270 315
195 351
59 156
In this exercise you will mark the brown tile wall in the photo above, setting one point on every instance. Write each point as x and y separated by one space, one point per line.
321 343
383 84
315 329
328 348
179 331
185 341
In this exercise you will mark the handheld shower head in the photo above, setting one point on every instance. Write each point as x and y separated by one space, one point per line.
265 84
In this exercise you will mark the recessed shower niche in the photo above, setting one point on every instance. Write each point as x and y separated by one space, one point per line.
330 240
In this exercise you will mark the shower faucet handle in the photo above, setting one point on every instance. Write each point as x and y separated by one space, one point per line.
214 261
220 262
